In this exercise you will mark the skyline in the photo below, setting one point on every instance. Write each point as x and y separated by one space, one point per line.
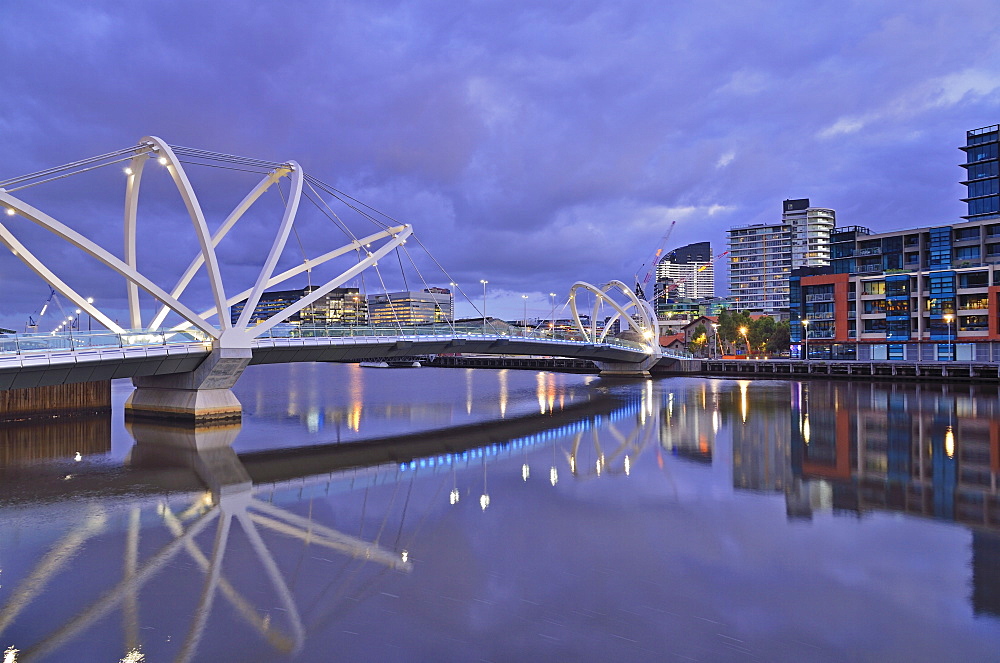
528 146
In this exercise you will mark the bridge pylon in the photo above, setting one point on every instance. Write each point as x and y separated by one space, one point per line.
204 395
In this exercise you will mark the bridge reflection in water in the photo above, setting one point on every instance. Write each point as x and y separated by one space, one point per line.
240 519
194 537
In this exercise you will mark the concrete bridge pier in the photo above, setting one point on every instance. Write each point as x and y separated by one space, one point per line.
202 396
627 369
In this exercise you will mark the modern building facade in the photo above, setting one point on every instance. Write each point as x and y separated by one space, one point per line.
412 308
982 174
920 294
686 273
340 306
762 256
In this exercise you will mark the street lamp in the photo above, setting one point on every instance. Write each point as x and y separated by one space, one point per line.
484 282
948 319
552 314
524 321
805 336
90 300
715 340
744 330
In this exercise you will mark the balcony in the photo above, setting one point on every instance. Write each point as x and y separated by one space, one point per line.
874 251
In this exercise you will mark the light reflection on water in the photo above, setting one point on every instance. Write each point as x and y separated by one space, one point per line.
584 519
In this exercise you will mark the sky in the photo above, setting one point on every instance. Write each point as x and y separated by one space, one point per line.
529 144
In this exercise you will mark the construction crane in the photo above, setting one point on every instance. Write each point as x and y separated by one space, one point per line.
650 265
33 321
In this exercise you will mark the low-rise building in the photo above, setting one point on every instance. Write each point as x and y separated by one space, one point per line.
411 307
340 306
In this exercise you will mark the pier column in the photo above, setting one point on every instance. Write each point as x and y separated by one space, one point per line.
203 395
627 369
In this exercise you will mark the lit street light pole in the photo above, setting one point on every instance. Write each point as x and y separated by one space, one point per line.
743 330
90 300
484 282
552 315
524 321
715 340
805 336
948 318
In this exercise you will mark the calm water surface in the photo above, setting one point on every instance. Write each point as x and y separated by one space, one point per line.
462 515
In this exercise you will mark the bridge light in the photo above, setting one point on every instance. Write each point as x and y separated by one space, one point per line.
10 211
163 161
128 171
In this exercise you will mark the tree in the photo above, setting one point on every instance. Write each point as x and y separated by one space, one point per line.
729 327
760 332
780 340
699 339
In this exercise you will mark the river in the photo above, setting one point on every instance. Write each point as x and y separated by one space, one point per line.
366 514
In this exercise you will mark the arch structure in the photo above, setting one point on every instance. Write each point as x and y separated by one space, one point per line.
230 341
637 313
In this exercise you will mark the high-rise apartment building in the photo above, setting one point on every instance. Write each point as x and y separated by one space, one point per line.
982 176
686 272
761 256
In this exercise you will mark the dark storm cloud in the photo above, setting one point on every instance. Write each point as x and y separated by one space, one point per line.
532 145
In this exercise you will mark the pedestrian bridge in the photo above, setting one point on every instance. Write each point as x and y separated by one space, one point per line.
183 362
36 360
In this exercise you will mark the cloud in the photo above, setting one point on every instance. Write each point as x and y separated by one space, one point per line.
725 159
937 93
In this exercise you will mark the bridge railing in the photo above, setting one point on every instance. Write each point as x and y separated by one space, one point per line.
30 343
437 330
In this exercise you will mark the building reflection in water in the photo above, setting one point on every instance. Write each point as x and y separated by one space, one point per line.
926 450
689 421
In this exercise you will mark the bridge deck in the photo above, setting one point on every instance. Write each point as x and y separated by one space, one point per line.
43 360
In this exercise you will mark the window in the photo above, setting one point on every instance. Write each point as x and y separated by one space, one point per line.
873 287
875 325
981 153
897 287
874 306
964 234
973 323
989 205
982 170
943 284
982 188
967 253
973 280
973 302
939 247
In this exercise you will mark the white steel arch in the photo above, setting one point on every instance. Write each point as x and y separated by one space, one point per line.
643 320
222 331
